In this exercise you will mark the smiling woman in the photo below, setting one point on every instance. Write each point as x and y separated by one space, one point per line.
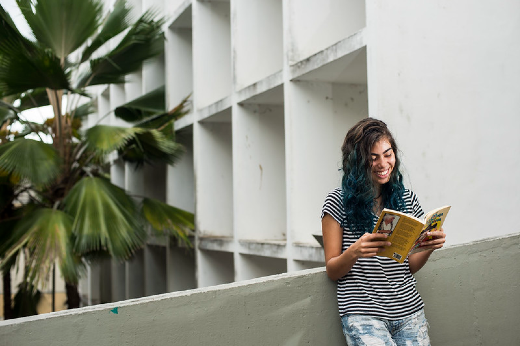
377 299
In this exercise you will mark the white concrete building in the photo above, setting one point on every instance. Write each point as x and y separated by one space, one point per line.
276 84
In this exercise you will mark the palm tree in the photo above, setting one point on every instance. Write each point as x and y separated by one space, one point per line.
59 205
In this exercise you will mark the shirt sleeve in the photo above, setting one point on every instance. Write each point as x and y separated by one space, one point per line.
334 205
417 210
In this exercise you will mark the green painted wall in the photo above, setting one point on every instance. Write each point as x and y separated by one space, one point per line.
472 295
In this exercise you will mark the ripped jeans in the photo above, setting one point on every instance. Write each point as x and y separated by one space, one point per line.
362 330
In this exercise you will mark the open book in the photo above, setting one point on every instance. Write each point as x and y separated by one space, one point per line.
406 232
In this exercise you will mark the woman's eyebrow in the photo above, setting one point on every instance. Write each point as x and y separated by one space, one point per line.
384 152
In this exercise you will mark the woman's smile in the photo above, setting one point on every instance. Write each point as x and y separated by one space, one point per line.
383 161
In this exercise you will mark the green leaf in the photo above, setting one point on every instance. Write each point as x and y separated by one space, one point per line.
25 65
62 25
166 219
33 160
151 146
105 218
116 22
6 20
143 41
134 144
84 110
143 107
45 233
105 138
162 120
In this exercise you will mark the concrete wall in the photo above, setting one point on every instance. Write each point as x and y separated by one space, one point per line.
471 294
444 76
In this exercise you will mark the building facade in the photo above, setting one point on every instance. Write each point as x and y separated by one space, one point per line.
275 85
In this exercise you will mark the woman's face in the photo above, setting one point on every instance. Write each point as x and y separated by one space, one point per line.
383 161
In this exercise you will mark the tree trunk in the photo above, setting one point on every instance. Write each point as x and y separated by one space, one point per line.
8 307
73 298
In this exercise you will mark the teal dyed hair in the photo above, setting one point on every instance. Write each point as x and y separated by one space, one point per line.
357 185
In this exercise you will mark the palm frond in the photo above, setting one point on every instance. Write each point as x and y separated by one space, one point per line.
105 139
151 146
116 22
104 218
25 65
134 144
45 233
163 119
9 29
166 219
84 110
141 108
62 25
143 41
33 160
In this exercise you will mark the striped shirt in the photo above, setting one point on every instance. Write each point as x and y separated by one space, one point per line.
375 286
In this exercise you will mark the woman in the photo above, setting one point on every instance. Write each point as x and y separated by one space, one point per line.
377 298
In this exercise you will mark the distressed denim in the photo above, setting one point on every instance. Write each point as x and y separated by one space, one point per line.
362 330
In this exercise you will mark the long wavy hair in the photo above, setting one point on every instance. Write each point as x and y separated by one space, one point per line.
359 190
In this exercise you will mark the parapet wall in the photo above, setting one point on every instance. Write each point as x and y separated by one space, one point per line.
471 292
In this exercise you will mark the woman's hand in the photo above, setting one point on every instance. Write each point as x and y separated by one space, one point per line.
434 240
417 260
369 245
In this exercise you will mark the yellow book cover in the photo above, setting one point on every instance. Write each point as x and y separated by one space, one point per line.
406 232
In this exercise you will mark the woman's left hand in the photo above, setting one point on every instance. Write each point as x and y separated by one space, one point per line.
434 240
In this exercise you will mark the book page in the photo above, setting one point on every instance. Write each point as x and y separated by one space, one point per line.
402 230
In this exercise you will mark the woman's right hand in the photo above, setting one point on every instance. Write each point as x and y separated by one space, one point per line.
369 245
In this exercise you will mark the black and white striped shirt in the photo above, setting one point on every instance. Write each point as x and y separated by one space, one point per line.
375 286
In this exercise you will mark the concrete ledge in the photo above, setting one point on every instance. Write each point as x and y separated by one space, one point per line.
472 296
472 293
287 309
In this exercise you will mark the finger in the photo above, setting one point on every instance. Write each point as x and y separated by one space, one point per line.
375 244
436 234
374 236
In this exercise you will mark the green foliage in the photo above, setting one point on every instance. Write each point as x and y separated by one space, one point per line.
31 160
56 204
143 41
62 25
46 234
116 22
105 139
166 219
25 65
143 107
105 218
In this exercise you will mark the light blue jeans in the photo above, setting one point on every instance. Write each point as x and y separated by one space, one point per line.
362 330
